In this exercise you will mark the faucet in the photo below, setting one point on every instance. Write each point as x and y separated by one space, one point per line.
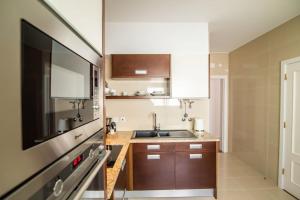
155 126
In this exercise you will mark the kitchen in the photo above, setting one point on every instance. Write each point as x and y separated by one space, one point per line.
111 99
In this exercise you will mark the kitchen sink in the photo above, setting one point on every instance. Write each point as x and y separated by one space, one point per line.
163 134
145 134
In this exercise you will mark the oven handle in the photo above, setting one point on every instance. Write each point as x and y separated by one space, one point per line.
89 178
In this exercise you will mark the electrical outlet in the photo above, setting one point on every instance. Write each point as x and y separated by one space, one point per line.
122 119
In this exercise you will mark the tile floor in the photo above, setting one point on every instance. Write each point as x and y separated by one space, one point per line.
238 181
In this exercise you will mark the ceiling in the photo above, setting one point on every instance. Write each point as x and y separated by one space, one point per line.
232 23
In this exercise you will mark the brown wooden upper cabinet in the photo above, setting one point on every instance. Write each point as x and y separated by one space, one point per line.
141 66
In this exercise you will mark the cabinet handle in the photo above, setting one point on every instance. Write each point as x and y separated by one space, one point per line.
195 146
153 157
195 156
140 71
123 164
153 147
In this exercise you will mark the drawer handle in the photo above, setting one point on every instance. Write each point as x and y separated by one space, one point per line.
140 71
153 157
195 146
195 156
153 147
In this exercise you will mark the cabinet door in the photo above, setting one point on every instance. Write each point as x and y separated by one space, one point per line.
201 147
195 170
190 76
153 147
120 186
141 66
84 17
153 171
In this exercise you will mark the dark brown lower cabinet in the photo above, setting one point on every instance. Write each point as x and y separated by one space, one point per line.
153 171
174 166
195 170
120 187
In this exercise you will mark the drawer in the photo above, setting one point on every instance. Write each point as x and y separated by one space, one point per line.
196 147
153 147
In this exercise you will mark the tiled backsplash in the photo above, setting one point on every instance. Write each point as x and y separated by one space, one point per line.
138 114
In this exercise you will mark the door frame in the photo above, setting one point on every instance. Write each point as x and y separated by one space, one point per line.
225 111
284 65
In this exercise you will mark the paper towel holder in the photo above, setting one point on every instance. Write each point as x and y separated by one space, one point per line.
198 125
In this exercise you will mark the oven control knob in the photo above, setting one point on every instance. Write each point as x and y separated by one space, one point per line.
91 154
58 187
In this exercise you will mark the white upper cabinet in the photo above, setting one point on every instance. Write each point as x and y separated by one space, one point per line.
189 76
84 16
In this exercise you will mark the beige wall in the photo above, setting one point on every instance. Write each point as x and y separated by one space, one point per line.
219 64
255 95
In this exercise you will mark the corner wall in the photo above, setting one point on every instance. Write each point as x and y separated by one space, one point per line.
254 99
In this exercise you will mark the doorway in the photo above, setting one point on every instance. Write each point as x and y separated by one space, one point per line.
289 164
218 120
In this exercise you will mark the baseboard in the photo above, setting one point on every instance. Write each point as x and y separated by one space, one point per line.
170 193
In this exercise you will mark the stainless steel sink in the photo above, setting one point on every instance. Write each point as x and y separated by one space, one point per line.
163 134
145 134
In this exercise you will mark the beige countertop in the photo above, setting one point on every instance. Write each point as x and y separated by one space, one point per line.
124 138
205 137
112 173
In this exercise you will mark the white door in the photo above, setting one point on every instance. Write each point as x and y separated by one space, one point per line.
292 131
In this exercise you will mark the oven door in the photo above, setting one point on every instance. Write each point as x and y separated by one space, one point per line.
92 186
69 177
21 165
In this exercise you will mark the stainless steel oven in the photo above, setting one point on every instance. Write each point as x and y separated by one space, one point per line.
70 176
51 94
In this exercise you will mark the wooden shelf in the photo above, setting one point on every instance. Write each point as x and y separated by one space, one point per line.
137 97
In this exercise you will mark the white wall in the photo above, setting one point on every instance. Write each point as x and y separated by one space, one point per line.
157 38
172 38
84 16
188 44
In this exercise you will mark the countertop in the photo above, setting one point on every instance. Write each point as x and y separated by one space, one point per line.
112 173
124 138
205 137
